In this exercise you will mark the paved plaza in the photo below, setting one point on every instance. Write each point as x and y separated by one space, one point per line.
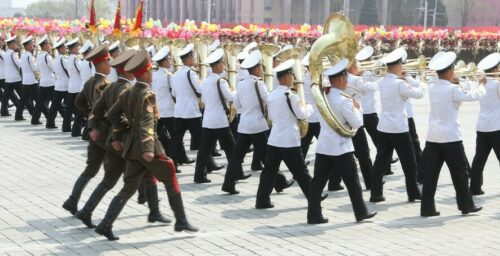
38 168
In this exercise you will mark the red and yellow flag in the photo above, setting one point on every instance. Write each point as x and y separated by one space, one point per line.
117 31
92 21
137 28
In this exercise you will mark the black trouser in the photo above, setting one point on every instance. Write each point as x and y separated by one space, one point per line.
387 142
166 129
42 104
416 147
435 154
370 122
8 94
312 131
29 96
76 130
193 125
293 159
56 106
243 142
343 166
485 141
208 139
2 83
362 153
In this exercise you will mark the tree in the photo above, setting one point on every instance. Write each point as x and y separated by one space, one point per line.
67 9
441 13
369 13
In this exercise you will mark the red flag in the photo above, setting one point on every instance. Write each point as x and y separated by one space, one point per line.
116 28
138 19
92 23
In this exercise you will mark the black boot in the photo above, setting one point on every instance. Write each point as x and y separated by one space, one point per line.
177 206
141 194
154 209
105 228
85 214
71 204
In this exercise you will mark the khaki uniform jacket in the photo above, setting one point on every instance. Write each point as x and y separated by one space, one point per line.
138 104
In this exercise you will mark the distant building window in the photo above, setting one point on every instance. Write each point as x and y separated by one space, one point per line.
268 5
268 20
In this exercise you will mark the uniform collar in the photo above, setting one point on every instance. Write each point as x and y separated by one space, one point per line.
124 79
99 74
142 84
252 76
392 75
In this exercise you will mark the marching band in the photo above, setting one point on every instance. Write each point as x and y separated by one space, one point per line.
135 106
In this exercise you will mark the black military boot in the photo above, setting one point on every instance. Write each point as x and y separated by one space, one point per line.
154 210
85 214
315 216
141 194
71 204
105 228
177 206
213 166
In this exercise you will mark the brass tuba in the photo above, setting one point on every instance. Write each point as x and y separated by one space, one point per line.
176 46
297 53
338 41
201 43
267 62
231 50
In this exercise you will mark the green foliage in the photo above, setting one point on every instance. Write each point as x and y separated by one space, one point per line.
68 9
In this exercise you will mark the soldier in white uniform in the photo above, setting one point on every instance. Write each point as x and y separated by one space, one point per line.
393 127
114 51
488 126
357 89
216 95
13 78
87 69
162 87
444 139
74 87
60 88
284 141
251 100
335 153
30 88
187 91
47 82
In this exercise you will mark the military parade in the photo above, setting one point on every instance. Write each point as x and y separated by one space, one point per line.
269 99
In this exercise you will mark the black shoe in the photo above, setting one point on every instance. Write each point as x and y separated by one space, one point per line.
36 123
51 126
257 167
429 213
70 205
158 217
387 173
288 184
369 215
394 160
76 134
414 198
216 153
336 187
184 225
20 119
317 220
245 176
324 196
265 205
474 208
66 130
107 231
177 170
202 180
6 114
231 191
188 161
86 218
376 199
477 192
215 167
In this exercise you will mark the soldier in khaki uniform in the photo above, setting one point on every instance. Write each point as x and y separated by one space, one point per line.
141 148
114 164
84 101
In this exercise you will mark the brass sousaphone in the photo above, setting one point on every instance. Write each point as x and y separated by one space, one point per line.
338 41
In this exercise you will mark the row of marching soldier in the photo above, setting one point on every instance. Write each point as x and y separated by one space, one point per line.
134 130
